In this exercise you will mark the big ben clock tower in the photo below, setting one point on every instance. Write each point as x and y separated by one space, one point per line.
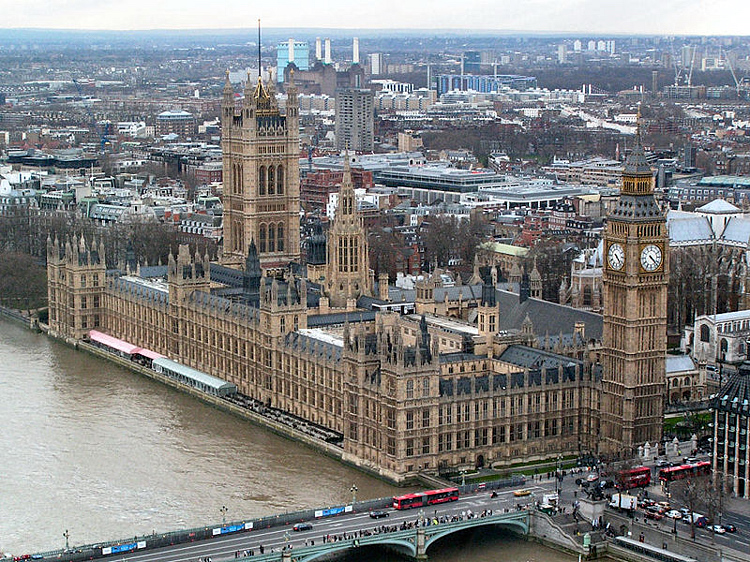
635 277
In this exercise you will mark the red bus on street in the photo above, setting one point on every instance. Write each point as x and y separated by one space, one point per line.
673 473
638 477
422 499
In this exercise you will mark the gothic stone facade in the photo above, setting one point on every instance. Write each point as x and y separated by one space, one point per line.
403 403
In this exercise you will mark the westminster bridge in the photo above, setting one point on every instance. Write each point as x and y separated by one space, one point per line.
314 534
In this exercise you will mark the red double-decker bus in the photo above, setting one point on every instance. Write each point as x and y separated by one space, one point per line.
637 477
672 473
421 499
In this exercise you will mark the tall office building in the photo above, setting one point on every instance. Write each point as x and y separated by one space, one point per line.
354 120
297 52
472 62
376 63
327 59
261 176
634 337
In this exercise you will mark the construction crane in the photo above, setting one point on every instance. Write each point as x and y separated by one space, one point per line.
734 75
103 142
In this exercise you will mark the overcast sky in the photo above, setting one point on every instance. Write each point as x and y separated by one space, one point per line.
664 17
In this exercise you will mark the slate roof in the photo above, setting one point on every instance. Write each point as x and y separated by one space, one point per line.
532 358
320 320
308 344
718 206
737 230
148 292
459 356
547 317
636 162
693 229
735 395
153 271
679 363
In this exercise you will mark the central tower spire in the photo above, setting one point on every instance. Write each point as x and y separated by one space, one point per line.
348 263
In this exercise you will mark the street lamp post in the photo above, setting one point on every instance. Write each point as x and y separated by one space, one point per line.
66 535
223 511
558 474
463 478
354 491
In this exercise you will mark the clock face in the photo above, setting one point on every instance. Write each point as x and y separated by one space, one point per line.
651 257
616 256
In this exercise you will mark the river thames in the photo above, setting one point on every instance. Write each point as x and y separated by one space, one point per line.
104 453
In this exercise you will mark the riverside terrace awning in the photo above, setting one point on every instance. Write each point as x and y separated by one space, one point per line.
121 346
113 343
148 353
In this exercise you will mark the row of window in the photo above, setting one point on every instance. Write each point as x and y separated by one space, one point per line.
271 237
485 436
271 180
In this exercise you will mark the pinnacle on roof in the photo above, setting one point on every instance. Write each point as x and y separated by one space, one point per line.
228 84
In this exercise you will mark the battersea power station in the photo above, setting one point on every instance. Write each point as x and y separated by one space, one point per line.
442 378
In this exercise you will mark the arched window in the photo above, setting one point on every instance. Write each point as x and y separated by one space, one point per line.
280 237
271 238
705 333
587 295
262 180
280 180
262 238
271 181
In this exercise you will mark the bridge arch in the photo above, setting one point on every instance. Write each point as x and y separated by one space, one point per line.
516 526
402 546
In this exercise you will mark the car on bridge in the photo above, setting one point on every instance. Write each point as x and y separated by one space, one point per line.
302 527
379 514
522 493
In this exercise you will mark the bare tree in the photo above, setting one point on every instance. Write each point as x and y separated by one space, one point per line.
23 282
691 492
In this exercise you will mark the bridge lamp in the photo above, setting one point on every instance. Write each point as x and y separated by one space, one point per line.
354 491
223 511
66 535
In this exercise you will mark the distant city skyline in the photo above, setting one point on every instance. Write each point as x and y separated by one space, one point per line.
588 17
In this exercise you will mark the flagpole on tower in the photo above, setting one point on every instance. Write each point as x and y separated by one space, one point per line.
259 64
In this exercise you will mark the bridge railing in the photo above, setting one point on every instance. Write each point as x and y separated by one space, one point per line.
170 538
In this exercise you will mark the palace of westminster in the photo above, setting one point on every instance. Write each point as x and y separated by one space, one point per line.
464 376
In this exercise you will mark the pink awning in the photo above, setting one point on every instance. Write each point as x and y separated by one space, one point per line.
112 342
147 353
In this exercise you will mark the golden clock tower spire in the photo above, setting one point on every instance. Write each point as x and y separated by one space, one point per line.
635 278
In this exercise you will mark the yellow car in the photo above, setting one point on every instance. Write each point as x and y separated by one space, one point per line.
521 493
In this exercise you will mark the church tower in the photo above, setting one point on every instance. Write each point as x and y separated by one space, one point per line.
261 177
348 263
634 339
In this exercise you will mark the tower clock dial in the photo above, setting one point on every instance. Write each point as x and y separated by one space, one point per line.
616 256
651 257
